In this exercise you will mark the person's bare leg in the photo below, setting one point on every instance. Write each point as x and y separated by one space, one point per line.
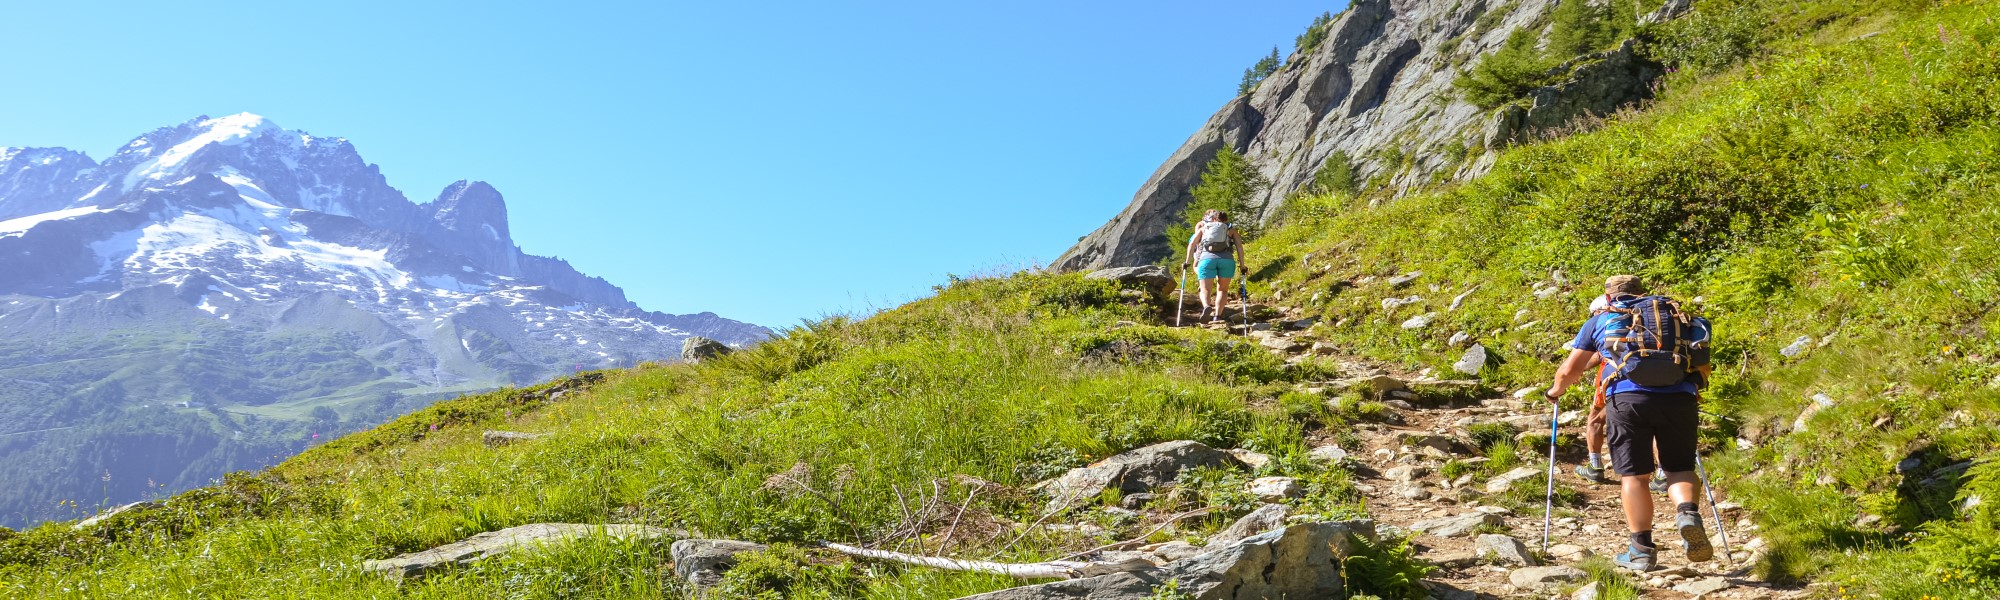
1681 486
1222 292
1593 430
1638 502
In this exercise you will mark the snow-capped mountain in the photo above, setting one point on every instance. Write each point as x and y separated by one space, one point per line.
229 270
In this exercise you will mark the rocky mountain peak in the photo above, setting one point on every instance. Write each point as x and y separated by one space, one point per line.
471 217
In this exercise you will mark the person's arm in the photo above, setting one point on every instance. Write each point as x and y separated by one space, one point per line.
1237 240
1569 373
1190 249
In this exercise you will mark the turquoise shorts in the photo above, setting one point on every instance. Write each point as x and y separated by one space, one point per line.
1215 268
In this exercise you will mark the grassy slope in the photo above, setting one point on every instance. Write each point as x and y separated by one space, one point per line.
1843 190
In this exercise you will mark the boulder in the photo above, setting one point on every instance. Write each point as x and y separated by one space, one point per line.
1283 344
1300 561
1152 278
1506 480
1457 526
1545 578
1472 362
494 438
702 562
1265 518
697 348
1136 501
1174 550
1133 471
1419 321
492 543
1406 473
1275 489
1505 550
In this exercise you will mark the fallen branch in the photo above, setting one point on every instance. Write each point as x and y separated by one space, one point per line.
1055 569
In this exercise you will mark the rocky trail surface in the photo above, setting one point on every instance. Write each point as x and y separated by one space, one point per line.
1483 549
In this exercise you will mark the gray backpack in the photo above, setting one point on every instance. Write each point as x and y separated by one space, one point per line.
1215 237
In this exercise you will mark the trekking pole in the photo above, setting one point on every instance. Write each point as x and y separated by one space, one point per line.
1549 508
1243 298
1720 528
1180 308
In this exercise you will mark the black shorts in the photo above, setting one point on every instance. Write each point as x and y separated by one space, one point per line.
1636 422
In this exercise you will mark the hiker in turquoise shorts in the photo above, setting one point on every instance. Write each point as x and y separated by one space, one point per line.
1216 249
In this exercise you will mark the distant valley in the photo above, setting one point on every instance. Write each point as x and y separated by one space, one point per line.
221 294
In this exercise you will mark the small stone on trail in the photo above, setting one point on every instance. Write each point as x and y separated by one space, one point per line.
1797 346
1456 526
1505 550
1324 348
1703 587
1424 439
1590 591
1569 551
1412 491
1136 501
1419 321
1458 340
1506 480
1406 473
1545 578
1327 453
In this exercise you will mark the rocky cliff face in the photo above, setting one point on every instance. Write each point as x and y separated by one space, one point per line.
1379 90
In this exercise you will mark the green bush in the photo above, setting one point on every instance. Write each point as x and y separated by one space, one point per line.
1388 569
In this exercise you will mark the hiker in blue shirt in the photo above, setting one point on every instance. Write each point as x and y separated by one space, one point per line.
1655 357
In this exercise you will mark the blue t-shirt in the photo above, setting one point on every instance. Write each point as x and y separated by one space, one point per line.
1586 339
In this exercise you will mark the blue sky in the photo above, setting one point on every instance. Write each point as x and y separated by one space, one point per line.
765 161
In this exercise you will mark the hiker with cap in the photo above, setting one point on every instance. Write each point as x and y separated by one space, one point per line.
1216 249
1593 425
1655 359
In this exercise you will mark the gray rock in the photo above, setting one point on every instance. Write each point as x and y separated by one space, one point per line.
1283 344
1472 362
491 543
1404 279
1589 591
1327 453
1411 491
1136 501
1133 471
1545 578
1666 12
1372 386
1175 550
495 438
697 348
1376 81
1412 438
1506 480
1152 278
1701 587
1300 561
1405 473
702 562
1419 321
1458 526
1250 458
1265 518
1275 489
1505 550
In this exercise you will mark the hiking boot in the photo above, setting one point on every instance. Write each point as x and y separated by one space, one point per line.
1694 538
1592 474
1658 485
1638 558
1202 316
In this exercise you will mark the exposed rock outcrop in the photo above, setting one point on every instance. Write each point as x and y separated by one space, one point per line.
698 348
1133 471
493 543
1379 91
1300 561
702 562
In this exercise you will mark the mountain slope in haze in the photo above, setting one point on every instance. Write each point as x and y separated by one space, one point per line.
217 294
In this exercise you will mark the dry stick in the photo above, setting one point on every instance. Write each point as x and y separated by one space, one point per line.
1061 508
945 544
1055 569
1142 537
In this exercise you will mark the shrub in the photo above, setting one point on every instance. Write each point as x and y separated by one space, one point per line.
1389 569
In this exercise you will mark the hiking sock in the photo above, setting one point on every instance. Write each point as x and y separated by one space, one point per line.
1642 539
1689 508
1596 460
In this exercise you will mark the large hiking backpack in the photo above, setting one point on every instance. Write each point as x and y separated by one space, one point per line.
1215 237
1650 341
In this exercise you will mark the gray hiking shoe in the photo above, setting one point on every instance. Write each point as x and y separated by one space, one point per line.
1658 485
1592 474
1694 538
1638 559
